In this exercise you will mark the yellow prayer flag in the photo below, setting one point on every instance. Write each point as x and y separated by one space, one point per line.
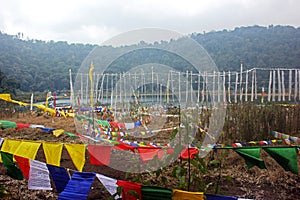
28 149
180 194
10 146
58 132
5 97
77 154
51 111
52 152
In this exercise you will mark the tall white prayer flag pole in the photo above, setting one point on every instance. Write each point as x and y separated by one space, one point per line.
255 84
279 85
246 87
283 87
235 89
213 92
219 89
252 86
71 89
229 99
241 83
274 85
296 85
270 85
224 87
290 84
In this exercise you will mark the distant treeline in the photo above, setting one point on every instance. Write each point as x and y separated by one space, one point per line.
35 65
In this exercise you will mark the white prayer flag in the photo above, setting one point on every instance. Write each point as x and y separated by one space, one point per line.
38 176
109 183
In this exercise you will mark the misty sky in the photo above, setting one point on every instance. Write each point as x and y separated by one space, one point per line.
95 21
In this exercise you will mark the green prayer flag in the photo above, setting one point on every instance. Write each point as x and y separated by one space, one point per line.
72 135
285 157
156 193
7 124
251 157
12 169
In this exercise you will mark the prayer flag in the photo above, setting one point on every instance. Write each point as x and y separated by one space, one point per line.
219 197
156 193
52 152
38 176
24 165
147 154
185 195
251 157
10 145
27 149
12 170
109 183
130 191
99 155
286 157
58 132
77 154
78 186
59 176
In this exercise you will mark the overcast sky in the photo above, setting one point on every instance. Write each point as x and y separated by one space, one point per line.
95 21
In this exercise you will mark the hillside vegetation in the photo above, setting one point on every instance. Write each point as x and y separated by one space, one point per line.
35 65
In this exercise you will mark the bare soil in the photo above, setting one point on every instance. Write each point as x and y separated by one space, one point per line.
235 179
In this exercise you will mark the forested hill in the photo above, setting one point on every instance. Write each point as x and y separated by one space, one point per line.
255 46
34 65
38 65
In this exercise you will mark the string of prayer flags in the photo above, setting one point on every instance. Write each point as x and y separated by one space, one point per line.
286 138
12 170
78 186
156 193
38 176
109 183
59 176
285 157
180 194
130 191
24 165
52 152
251 157
77 154
99 155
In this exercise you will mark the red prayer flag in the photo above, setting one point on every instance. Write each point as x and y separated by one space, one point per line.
99 155
130 190
147 154
24 165
185 154
123 146
20 126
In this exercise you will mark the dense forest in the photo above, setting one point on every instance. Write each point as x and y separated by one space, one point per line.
35 65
